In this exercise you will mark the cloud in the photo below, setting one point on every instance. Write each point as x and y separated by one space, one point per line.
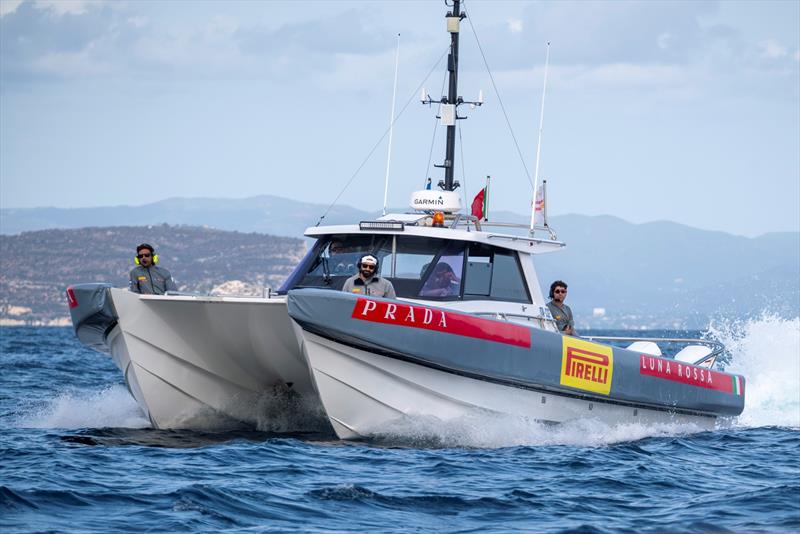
57 7
75 39
772 49
615 77
72 7
8 6
596 33
610 43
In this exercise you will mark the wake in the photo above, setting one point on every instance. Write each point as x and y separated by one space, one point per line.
109 407
766 350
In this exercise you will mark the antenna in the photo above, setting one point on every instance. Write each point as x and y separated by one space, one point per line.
391 127
478 102
539 143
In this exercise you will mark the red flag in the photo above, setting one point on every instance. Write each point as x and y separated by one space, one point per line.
479 204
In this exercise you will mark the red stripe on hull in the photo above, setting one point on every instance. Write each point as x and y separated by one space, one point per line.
406 315
73 302
685 373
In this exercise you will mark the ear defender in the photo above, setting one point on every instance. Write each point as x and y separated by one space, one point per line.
137 262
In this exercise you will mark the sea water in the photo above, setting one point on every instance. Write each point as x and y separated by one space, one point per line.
76 455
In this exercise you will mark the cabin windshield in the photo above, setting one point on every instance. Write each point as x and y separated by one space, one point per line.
418 267
333 260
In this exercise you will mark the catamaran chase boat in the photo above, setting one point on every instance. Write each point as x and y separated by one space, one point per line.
469 331
480 340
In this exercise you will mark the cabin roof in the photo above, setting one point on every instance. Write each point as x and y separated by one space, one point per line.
410 224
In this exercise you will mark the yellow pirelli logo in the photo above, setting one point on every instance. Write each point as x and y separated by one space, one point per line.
586 365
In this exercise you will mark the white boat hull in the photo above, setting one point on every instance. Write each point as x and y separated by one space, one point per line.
208 362
364 394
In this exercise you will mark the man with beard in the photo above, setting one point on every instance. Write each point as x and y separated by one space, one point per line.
148 279
560 311
367 281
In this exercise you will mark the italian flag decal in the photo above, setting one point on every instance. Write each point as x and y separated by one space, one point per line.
737 385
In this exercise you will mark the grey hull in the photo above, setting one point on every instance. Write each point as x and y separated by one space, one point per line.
516 355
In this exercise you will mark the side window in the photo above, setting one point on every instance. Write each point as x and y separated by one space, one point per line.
507 280
494 274
479 276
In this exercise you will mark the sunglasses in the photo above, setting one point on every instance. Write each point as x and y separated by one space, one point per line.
140 256
560 291
368 267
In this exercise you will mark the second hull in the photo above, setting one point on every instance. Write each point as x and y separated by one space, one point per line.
366 394
212 364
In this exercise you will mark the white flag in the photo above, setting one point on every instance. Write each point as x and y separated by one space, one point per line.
538 212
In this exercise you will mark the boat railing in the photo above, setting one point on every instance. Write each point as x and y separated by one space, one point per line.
266 292
519 317
717 348
461 219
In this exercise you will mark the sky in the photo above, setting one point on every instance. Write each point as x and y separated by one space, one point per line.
680 111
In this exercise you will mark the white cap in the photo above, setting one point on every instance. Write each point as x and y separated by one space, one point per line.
369 260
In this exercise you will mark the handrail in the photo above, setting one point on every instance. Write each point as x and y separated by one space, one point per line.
717 348
504 315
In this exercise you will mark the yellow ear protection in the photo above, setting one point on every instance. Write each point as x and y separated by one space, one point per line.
144 246
136 259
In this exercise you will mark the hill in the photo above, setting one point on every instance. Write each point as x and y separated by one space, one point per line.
38 266
265 214
664 274
659 274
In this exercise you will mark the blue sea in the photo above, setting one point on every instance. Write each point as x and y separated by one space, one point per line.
76 455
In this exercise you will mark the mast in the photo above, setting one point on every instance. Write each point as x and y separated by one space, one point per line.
452 93
448 105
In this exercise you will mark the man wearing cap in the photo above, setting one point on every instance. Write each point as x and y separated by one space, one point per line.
148 279
367 282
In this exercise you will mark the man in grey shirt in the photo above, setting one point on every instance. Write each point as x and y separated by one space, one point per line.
367 282
148 279
560 311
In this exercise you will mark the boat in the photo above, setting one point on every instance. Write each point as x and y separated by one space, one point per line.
213 362
379 364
